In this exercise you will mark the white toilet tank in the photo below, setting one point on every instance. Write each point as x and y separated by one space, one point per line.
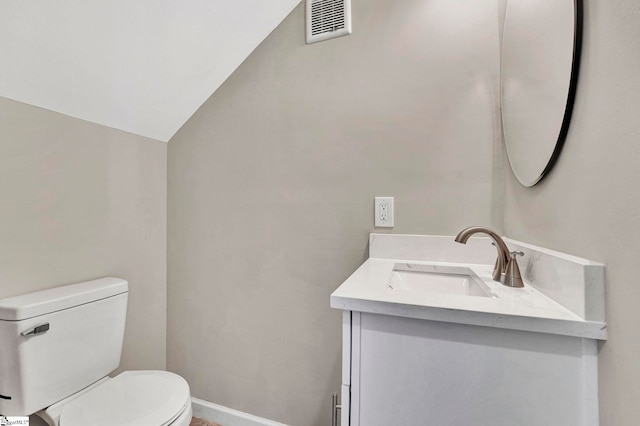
56 342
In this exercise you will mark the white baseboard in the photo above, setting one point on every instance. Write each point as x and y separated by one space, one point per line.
227 416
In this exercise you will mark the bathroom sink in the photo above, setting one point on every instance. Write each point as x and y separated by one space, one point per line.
437 279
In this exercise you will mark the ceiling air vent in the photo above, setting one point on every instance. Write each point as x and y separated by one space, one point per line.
327 19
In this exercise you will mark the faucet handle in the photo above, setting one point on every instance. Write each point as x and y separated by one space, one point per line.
512 277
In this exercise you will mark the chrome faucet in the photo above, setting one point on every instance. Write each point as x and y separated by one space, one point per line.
506 269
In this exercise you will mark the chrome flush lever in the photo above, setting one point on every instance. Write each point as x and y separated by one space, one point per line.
38 329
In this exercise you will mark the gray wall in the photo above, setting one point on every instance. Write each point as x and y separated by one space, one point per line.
271 187
81 201
590 203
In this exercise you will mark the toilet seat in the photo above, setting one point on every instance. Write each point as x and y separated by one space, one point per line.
132 398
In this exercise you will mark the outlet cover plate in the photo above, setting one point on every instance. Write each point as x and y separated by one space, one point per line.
383 212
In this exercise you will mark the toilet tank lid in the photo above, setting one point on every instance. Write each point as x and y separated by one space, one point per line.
58 298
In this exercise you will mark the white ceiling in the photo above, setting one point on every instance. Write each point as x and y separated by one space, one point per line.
143 66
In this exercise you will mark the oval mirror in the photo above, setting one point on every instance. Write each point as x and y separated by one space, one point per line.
538 74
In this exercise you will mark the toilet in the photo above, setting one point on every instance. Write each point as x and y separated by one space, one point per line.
57 347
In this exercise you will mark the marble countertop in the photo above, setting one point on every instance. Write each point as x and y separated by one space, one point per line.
526 309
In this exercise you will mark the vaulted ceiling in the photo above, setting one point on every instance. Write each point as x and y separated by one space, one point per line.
143 66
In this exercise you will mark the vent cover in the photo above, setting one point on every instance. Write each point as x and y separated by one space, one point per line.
327 19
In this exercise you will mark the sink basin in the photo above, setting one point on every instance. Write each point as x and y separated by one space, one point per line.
437 279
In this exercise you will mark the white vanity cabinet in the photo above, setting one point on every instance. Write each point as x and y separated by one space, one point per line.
418 355
412 372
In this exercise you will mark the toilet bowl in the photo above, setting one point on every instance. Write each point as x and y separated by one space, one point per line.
59 345
132 398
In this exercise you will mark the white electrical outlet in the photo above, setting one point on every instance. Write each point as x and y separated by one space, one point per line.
383 212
